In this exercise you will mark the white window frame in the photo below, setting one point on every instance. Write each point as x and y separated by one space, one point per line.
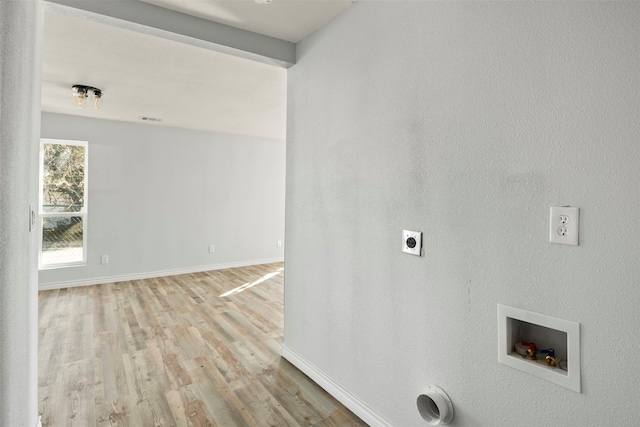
83 213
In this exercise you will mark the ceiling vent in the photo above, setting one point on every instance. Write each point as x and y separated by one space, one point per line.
150 119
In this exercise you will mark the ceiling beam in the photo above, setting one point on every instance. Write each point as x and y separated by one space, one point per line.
164 23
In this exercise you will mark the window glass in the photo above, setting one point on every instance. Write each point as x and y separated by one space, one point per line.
62 240
63 204
63 178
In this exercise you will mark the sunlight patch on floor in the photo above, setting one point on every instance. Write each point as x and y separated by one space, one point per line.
252 284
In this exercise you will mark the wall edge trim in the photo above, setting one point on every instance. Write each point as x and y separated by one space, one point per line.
152 274
345 397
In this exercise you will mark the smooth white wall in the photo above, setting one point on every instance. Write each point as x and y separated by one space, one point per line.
159 196
466 121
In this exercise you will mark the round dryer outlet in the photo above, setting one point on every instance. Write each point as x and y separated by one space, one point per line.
412 242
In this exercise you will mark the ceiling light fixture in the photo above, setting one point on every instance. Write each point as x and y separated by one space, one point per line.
82 92
263 1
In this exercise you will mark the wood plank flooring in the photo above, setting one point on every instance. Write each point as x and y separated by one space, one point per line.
192 350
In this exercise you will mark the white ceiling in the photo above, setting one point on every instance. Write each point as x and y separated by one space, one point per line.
290 20
183 85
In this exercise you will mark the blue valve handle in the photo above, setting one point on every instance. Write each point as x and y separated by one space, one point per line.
548 352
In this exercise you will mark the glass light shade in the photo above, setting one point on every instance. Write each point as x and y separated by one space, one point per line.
80 99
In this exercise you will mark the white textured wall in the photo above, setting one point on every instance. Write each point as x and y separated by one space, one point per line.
158 197
20 69
466 121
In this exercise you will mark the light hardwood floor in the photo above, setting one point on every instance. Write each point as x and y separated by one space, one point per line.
192 350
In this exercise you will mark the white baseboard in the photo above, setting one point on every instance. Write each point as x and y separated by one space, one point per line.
152 274
354 404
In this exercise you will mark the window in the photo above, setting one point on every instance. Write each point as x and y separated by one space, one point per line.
63 203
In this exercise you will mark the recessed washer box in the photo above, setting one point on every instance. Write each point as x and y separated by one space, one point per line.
563 336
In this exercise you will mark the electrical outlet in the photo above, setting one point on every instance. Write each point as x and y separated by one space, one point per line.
412 242
279 243
104 259
212 249
564 225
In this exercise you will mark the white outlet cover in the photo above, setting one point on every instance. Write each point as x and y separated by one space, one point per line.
413 247
564 225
